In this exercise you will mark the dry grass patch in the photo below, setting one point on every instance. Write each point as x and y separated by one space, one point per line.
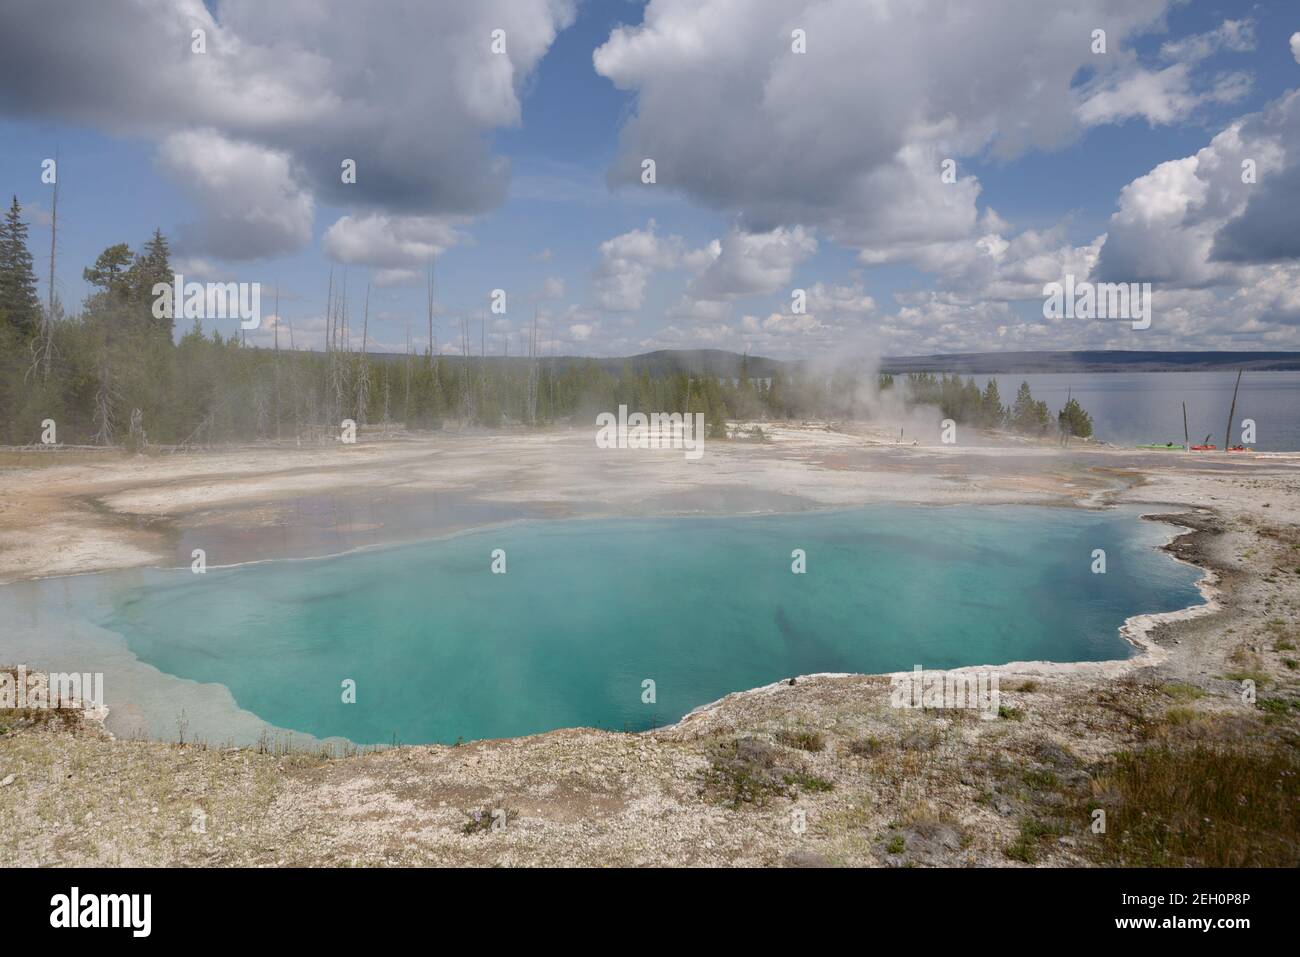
812 741
1182 692
1204 805
923 836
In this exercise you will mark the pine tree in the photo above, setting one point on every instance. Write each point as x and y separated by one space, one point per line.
151 267
19 306
1028 415
1074 421
992 414
110 270
775 399
971 402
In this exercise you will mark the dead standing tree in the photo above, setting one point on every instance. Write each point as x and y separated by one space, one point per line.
429 310
329 345
103 417
430 361
532 371
47 332
466 386
337 372
363 370
275 362
410 348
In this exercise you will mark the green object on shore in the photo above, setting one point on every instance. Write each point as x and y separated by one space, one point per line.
1167 447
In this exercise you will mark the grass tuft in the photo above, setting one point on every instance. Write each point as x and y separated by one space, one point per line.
1241 811
487 819
813 741
809 783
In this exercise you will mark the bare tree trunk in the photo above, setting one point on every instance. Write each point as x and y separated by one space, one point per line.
47 338
406 411
335 372
430 310
532 371
320 412
275 364
138 438
104 405
1232 411
329 313
363 374
464 368
341 328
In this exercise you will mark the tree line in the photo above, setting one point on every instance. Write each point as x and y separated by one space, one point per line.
115 373
962 401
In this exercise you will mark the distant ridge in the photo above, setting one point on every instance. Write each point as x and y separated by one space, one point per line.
714 362
1105 360
724 364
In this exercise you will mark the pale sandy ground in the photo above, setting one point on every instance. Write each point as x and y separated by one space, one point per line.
87 511
932 787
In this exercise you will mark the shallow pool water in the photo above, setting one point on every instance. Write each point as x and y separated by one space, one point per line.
442 648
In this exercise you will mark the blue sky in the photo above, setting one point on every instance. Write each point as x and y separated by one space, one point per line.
890 266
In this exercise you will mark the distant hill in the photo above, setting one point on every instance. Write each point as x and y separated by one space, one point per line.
1108 360
724 364
714 362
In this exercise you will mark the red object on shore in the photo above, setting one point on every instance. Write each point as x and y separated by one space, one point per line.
1204 448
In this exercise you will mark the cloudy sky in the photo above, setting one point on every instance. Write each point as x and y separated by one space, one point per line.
775 170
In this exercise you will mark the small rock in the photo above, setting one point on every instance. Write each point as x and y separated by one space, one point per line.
8 780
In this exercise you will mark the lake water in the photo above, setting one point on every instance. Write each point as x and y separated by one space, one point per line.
441 648
1128 408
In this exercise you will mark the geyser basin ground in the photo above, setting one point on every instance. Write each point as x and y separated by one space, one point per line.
441 648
